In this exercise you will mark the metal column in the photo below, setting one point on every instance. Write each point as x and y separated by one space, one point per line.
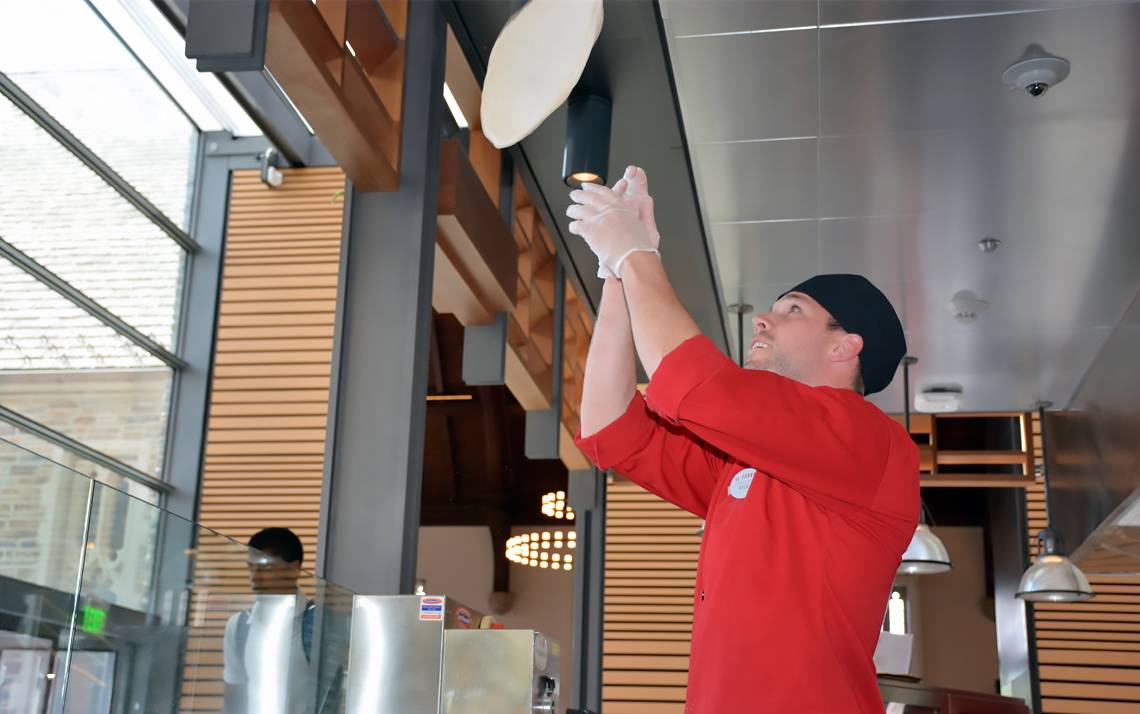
587 496
370 509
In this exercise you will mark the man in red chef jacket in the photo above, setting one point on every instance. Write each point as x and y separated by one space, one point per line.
810 493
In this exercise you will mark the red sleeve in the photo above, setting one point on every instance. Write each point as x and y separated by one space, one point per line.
661 458
830 444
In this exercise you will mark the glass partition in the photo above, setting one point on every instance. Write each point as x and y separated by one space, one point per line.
109 604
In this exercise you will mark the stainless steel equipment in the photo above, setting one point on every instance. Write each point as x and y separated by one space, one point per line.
501 671
395 657
413 654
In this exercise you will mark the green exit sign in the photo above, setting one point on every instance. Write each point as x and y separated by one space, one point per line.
93 620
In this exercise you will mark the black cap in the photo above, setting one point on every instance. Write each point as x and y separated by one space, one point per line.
862 309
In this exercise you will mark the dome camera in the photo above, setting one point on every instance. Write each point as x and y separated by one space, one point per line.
1035 71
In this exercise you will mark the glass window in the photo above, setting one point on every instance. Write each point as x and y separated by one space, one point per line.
66 370
62 215
84 77
77 463
41 528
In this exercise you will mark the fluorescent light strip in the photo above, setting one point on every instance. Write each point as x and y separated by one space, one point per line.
872 23
454 107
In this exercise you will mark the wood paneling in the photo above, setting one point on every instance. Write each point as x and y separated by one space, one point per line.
651 565
266 434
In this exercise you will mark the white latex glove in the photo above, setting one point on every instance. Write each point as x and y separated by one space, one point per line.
611 226
633 187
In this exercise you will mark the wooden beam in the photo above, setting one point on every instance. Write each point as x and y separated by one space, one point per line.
333 93
472 235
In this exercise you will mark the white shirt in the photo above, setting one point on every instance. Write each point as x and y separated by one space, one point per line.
276 673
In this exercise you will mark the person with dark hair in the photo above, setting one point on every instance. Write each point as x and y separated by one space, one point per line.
268 648
810 494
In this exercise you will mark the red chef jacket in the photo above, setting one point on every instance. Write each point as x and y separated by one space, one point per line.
810 496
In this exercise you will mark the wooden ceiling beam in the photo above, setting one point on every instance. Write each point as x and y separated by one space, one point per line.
336 95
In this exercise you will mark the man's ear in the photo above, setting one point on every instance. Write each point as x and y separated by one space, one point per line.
847 348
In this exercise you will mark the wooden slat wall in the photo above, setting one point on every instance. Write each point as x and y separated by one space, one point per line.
651 566
1088 653
266 435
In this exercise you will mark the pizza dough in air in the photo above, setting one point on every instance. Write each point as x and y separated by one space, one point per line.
535 63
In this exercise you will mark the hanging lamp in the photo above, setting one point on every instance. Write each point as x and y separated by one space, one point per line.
1053 578
926 554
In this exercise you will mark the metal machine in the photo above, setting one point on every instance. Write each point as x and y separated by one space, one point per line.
412 654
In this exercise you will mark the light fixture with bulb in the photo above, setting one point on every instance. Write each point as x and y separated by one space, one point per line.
546 550
554 506
926 554
586 154
1053 578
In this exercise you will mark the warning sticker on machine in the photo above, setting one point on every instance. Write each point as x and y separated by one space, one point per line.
431 608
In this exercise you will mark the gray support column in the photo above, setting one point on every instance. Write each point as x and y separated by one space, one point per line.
1018 674
201 285
543 438
587 496
370 510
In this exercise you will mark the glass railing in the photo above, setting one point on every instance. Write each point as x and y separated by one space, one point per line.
109 605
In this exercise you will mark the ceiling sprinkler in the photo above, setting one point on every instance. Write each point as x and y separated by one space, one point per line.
965 306
1035 71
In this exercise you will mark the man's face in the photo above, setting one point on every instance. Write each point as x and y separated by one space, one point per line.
793 339
269 575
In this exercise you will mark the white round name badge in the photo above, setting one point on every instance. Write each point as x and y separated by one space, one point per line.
741 482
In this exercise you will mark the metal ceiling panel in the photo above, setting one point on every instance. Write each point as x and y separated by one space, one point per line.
929 76
925 152
845 11
765 252
694 17
757 181
755 86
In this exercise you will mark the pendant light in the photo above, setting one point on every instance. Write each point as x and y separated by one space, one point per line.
1053 578
926 554
586 154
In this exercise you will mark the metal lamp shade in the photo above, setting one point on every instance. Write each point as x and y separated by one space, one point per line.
926 554
1053 578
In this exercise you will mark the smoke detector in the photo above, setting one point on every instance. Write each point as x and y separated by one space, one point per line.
939 398
965 306
1035 71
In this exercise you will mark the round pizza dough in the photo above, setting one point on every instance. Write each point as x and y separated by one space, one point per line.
535 63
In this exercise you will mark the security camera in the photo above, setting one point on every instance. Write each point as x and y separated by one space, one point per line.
1036 71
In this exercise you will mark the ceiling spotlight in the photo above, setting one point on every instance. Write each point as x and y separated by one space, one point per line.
586 154
965 306
989 244
1035 71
